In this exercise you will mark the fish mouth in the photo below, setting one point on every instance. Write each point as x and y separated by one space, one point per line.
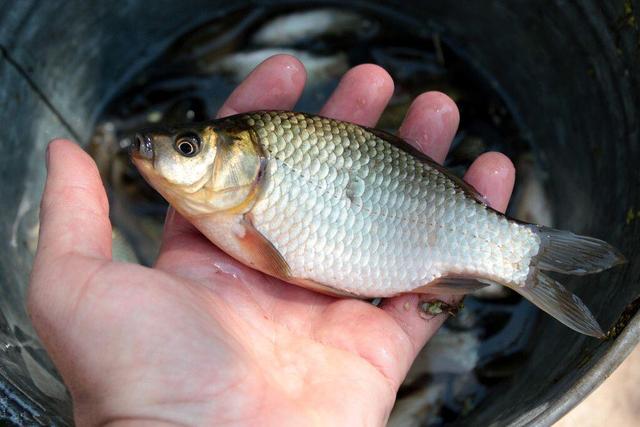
142 147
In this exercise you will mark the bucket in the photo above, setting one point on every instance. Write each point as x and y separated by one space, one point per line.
569 74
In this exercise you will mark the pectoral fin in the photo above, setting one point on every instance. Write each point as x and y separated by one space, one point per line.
451 285
263 255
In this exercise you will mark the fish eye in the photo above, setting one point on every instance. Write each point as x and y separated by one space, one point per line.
188 144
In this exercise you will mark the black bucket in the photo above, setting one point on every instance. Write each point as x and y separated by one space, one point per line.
569 73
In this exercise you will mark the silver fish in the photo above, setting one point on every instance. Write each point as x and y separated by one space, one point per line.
352 211
319 68
301 26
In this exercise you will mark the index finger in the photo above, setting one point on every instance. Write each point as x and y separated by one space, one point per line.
74 212
275 84
75 233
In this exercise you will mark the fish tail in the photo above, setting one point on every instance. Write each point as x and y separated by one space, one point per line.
568 253
553 298
564 252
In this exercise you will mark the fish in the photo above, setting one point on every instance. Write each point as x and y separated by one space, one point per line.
352 211
319 68
447 352
299 27
420 406
531 202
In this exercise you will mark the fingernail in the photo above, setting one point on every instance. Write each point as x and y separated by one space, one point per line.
46 157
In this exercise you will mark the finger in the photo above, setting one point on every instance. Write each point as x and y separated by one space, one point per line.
74 212
430 124
275 84
75 234
361 95
493 175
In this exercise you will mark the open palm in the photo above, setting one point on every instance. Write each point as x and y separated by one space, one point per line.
203 340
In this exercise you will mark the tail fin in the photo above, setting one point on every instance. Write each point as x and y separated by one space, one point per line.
565 252
557 301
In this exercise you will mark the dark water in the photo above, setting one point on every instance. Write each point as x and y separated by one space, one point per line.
191 79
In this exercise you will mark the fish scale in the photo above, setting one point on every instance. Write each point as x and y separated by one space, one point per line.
404 221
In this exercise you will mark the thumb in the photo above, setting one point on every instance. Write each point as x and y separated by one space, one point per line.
75 232
74 213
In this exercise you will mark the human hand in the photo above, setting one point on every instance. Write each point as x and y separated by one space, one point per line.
203 340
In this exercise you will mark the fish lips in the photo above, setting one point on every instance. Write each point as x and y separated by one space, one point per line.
142 147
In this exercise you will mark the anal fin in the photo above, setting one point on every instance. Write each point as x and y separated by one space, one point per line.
451 285
325 289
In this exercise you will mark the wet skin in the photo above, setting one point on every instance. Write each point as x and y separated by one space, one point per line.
200 339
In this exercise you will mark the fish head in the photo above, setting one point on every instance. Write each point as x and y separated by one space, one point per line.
201 169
